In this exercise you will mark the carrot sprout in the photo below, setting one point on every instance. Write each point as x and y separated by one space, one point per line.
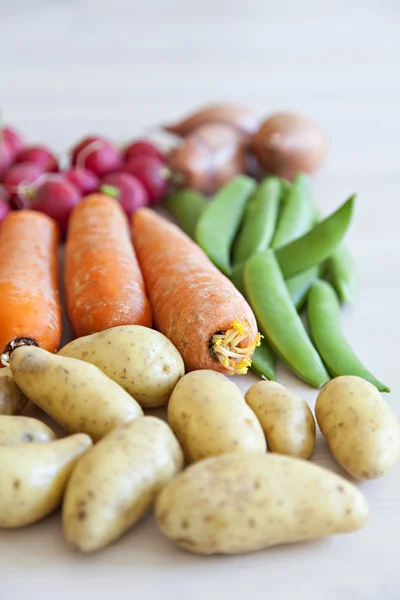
225 347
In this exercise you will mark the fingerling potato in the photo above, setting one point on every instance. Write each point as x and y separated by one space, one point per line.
33 478
359 425
117 482
236 503
77 395
23 430
12 400
286 419
141 360
209 416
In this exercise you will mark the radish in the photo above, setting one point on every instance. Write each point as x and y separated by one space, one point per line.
38 155
4 209
83 179
142 148
153 174
56 197
6 157
4 195
127 189
20 177
96 154
13 138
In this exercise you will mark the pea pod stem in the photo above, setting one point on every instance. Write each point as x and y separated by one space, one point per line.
278 320
318 244
259 220
220 221
323 312
186 206
297 215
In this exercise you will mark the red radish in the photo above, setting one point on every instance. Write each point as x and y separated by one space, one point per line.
13 138
83 179
142 148
38 155
153 174
4 210
4 194
56 198
97 154
127 189
21 176
6 157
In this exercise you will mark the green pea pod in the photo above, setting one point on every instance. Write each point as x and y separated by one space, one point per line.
297 216
220 221
186 206
278 319
259 220
318 244
341 270
323 311
299 285
263 362
237 277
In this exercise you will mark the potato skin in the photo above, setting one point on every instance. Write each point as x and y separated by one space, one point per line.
23 430
12 400
209 416
117 482
286 419
77 395
359 425
141 360
33 478
235 503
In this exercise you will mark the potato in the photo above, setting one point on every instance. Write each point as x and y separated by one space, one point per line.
142 361
117 482
33 479
23 430
76 394
235 503
359 425
12 400
209 416
286 419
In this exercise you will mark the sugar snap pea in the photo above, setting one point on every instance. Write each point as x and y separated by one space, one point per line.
299 285
237 277
186 206
220 221
323 312
341 271
297 215
259 220
318 244
263 362
278 319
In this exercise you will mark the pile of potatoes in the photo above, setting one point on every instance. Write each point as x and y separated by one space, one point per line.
237 497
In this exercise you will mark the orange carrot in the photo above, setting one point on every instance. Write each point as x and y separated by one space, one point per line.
103 283
194 305
30 310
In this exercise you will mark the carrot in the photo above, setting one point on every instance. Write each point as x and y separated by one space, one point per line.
103 283
30 309
194 305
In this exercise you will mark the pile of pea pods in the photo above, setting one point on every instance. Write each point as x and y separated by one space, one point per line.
283 256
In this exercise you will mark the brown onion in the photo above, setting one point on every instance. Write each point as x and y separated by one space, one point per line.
288 143
240 117
208 158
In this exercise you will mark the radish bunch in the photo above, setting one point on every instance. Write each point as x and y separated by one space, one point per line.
30 175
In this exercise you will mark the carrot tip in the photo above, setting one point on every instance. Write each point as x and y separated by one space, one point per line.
11 346
225 347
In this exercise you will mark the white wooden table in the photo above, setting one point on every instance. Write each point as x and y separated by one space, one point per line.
120 67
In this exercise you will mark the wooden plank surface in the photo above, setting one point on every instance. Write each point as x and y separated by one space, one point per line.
120 68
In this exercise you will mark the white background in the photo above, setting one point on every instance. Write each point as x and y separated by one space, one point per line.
119 68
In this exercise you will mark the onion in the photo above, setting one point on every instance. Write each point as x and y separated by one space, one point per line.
289 143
